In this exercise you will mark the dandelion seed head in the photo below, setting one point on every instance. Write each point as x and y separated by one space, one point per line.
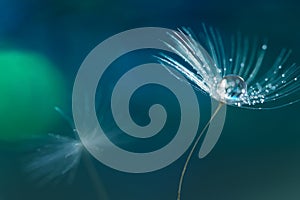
231 74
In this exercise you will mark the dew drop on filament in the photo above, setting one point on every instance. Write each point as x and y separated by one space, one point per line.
264 47
232 89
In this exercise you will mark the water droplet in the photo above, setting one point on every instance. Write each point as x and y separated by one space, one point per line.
296 79
259 87
266 79
279 67
277 95
264 47
232 89
242 64
282 75
273 88
230 59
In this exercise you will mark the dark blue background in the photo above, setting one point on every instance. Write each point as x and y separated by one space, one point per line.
258 155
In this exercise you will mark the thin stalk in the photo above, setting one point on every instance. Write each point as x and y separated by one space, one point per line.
193 149
93 174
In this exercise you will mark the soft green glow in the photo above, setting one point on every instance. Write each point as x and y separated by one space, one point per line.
30 86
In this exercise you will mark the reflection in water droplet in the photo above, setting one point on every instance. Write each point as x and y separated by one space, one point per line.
232 89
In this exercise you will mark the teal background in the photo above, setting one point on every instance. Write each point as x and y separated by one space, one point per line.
258 154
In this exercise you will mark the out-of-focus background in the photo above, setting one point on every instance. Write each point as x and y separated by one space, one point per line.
42 45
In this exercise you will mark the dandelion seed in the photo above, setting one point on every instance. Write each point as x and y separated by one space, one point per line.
221 74
59 158
214 66
54 160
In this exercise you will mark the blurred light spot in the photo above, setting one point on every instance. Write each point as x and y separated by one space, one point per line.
30 87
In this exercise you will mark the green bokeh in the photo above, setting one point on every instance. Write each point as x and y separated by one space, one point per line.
30 87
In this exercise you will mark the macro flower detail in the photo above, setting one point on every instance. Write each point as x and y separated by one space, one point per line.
231 73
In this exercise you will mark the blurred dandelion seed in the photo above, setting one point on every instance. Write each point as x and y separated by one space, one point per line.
60 157
54 160
230 75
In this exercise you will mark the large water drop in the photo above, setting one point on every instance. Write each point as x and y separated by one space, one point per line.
232 89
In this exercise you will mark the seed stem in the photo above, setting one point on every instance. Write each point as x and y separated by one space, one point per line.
93 174
193 149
